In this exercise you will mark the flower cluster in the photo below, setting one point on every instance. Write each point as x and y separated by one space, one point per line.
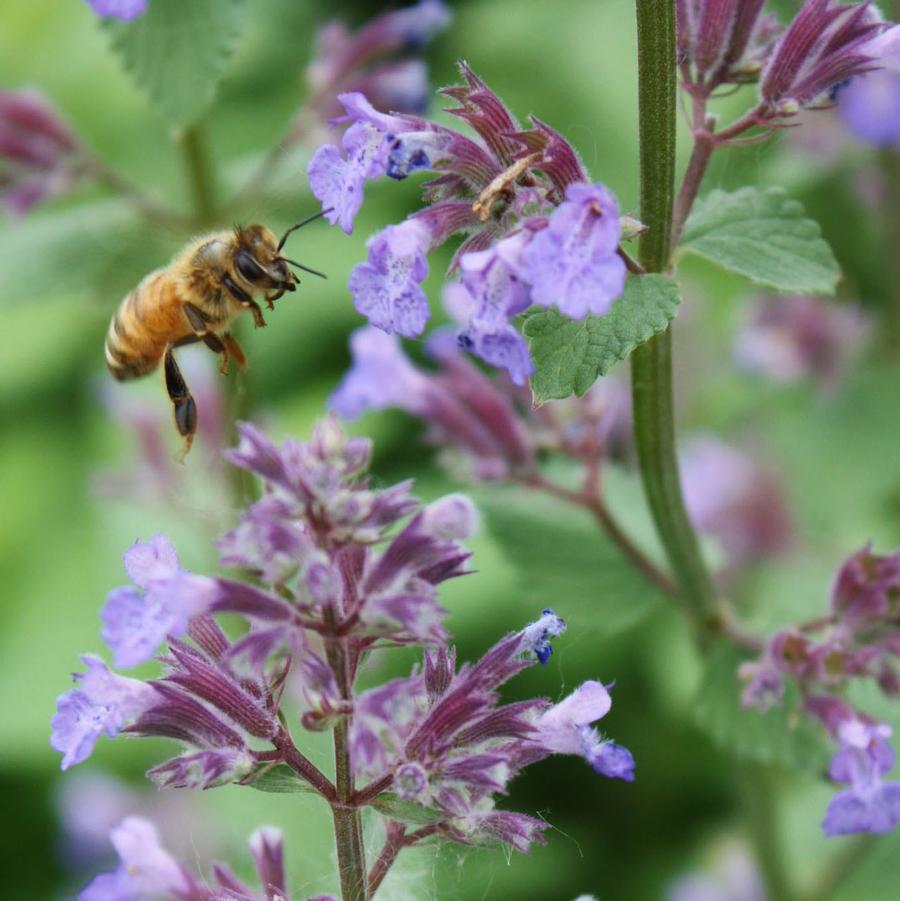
537 230
859 639
377 60
489 421
147 870
792 338
726 41
346 569
734 499
39 154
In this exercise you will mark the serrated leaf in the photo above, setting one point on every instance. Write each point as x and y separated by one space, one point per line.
564 560
569 355
280 780
177 52
765 236
780 735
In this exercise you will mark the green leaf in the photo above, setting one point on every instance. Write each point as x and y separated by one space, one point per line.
569 355
565 561
397 808
765 236
279 780
780 735
177 52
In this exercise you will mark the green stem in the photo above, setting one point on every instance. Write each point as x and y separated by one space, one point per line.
347 818
651 363
200 181
889 336
758 794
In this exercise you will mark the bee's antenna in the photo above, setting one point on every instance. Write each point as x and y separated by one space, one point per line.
306 221
305 268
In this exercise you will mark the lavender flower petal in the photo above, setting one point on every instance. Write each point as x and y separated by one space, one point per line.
119 9
536 637
381 376
559 729
103 702
869 107
572 264
151 561
386 289
146 869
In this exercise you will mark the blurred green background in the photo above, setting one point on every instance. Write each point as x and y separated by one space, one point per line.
64 268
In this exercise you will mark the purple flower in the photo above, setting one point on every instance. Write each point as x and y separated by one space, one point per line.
536 637
365 60
386 289
732 498
267 541
870 104
338 180
119 9
136 622
497 292
267 850
381 376
566 729
867 589
205 769
461 407
499 190
572 264
824 45
499 345
103 702
790 338
870 804
39 154
721 40
870 108
146 869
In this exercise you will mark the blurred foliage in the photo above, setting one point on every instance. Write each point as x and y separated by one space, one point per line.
64 268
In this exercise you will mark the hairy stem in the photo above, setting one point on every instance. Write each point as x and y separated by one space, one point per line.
302 766
393 845
347 819
651 363
396 841
701 153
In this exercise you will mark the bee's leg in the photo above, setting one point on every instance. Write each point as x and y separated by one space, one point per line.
271 298
185 408
199 324
244 299
235 350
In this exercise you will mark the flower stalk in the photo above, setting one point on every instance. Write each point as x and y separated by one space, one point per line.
347 819
651 364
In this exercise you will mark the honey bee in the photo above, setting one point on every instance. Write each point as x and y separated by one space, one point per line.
196 298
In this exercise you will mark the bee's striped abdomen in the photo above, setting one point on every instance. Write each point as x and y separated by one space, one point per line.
141 328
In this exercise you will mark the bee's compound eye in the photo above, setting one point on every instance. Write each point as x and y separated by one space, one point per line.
247 266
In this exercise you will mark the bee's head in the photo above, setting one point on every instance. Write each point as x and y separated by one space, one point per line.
258 258
258 261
